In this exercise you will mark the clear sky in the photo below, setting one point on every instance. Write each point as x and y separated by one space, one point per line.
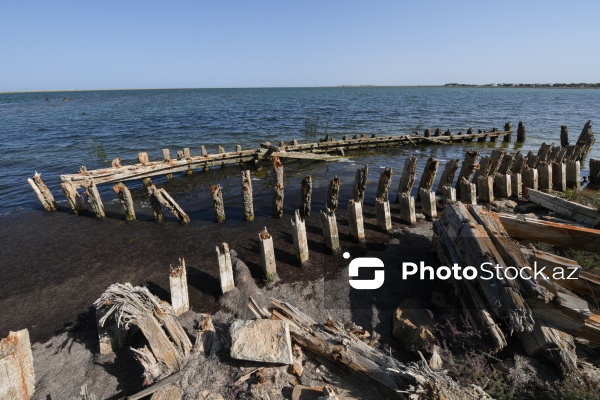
53 45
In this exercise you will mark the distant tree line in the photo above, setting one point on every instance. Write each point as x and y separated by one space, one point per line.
531 85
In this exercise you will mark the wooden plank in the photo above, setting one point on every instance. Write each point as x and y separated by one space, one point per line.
305 156
570 210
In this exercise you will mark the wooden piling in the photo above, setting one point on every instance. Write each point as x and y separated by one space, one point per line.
75 200
187 154
111 336
143 158
485 165
407 180
437 132
428 177
330 230
278 189
42 192
544 152
485 189
166 200
407 209
559 176
507 128
544 177
355 220
179 288
448 194
517 165
469 166
333 192
360 184
532 160
530 177
594 172
383 186
428 203
495 161
94 198
115 163
225 268
521 132
573 174
238 148
506 164
166 155
125 198
585 141
382 211
203 151
468 192
267 254
147 181
305 196
299 236
247 196
502 186
221 150
448 174
516 185
153 194
217 196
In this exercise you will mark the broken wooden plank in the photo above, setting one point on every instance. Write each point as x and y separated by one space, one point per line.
305 156
568 209
166 200
17 377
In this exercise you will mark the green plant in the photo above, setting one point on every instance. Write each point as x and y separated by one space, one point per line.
97 149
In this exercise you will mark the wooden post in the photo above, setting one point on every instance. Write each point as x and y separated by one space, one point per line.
382 211
484 169
495 161
116 163
333 192
360 183
247 196
507 128
506 164
166 155
221 150
408 177
437 132
111 336
125 198
448 174
281 144
468 192
428 203
147 181
155 203
573 174
179 288
75 200
544 176
42 192
532 160
238 148
330 230
385 181
559 176
516 185
407 209
94 198
594 172
355 220
305 196
530 177
544 152
502 185
428 177
225 268
585 141
427 132
267 254
448 194
166 200
17 377
485 188
521 132
517 165
143 158
203 151
299 236
469 166
217 196
187 154
278 188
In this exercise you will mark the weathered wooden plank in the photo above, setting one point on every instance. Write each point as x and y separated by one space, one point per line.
179 289
568 209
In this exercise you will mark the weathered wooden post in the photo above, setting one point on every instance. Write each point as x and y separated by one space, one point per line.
585 141
516 185
448 174
143 158
521 132
428 177
247 196
42 192
382 211
355 220
407 209
507 128
485 164
278 188
166 200
564 135
330 230
187 154
428 203
573 174
360 184
221 150
333 192
299 235
427 132
111 336
75 200
203 151
469 166
17 377
485 188
179 289
155 203
383 186
468 192
437 132
544 176
94 198
530 177
544 152
502 185
495 161
225 268
166 155
448 194
559 176
305 196
125 198
267 254
238 148
594 172
115 163
407 180
217 196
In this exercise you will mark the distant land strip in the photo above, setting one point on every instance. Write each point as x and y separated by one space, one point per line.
531 85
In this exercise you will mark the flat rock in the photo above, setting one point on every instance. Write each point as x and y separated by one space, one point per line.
261 340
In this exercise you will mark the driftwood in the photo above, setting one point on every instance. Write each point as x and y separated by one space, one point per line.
333 193
383 186
247 196
408 177
428 177
573 211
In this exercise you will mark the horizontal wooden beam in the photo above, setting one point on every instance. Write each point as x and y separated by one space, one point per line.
569 209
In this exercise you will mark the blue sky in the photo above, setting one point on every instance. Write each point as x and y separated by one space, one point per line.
54 45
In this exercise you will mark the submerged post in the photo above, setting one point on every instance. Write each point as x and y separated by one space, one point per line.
299 236
521 132
385 181
305 196
247 196
382 211
217 196
564 135
407 180
125 198
594 172
179 288
42 192
407 209
333 192
94 198
75 200
360 184
267 254
278 188
355 220
225 268
330 230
